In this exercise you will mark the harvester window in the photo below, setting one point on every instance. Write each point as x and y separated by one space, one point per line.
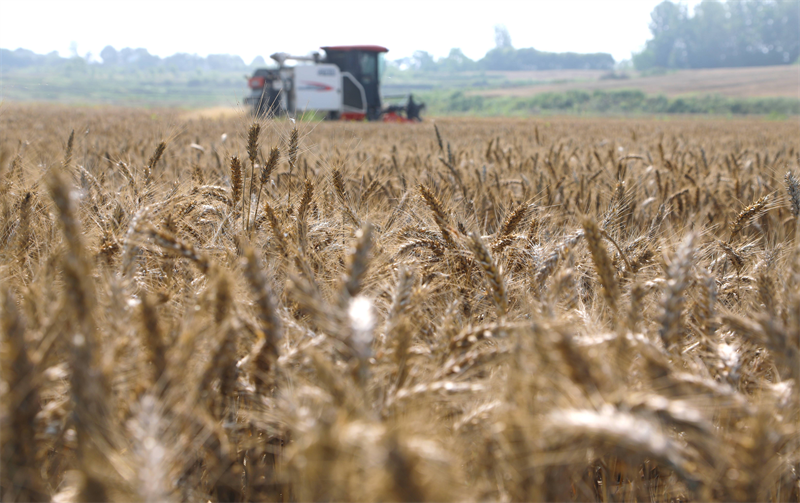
369 70
381 66
339 59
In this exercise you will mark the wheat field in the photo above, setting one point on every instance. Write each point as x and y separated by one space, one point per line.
240 309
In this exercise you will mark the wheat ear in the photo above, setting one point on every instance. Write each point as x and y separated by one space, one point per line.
494 277
602 263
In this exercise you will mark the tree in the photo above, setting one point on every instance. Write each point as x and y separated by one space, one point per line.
709 41
183 62
502 39
258 62
668 26
138 58
225 62
500 58
722 34
422 60
667 48
109 55
456 61
510 59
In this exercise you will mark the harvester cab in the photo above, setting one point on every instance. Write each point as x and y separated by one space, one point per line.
344 84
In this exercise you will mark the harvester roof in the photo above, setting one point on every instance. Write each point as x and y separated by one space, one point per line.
368 48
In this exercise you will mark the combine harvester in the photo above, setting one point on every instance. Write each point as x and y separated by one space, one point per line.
344 85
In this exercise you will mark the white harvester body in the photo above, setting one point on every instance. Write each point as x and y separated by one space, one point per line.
345 84
318 87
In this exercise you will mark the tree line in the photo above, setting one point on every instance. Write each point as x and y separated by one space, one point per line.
132 59
718 34
722 34
504 56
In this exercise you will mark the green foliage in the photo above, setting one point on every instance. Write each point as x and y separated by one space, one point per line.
502 38
75 81
730 34
504 57
598 102
510 59
457 61
126 77
507 58
23 58
128 60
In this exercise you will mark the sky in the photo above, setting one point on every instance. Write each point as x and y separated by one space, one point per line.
250 28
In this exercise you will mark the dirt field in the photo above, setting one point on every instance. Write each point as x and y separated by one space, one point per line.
207 308
772 81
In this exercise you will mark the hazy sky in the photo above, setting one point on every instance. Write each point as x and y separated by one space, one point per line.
250 28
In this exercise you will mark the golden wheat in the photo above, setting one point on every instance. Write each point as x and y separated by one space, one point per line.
480 310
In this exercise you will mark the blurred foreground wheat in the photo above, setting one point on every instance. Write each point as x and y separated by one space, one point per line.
591 310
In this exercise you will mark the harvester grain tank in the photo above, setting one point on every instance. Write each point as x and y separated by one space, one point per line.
344 84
